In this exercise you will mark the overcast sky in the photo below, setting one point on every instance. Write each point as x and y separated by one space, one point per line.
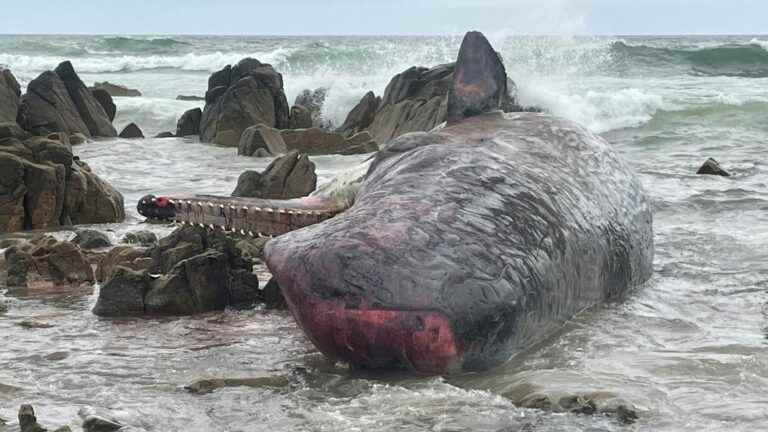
301 17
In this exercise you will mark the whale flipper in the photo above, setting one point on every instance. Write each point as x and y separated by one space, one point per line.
479 80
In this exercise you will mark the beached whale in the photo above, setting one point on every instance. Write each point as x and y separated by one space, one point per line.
464 245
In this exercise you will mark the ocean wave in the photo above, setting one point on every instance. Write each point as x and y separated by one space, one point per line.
133 45
736 60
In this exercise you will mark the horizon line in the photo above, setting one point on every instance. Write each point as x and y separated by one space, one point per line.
387 35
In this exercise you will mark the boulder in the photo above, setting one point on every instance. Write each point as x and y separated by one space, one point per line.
193 271
131 131
141 238
61 137
712 167
238 97
189 98
273 296
91 239
89 199
361 116
189 123
100 424
28 420
316 141
12 130
46 261
105 100
300 118
116 90
313 101
289 176
10 95
77 139
165 135
90 109
47 107
261 137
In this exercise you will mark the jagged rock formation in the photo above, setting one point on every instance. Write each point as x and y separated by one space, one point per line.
289 176
263 141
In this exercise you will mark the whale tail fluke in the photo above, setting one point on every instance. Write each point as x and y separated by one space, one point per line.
479 80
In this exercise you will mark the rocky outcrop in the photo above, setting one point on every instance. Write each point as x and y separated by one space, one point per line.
313 101
191 271
189 123
44 262
91 239
361 116
122 256
712 167
289 176
106 102
261 140
141 238
91 111
42 186
165 135
417 100
131 131
300 118
28 421
116 90
241 96
10 95
47 107
189 98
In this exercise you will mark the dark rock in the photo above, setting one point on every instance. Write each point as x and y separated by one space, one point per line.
300 118
90 109
105 100
289 176
10 94
47 107
141 238
248 94
261 137
61 137
273 296
122 295
46 262
91 239
89 199
122 256
116 90
131 131
189 123
28 420
210 385
30 325
12 130
313 101
316 141
77 139
361 116
712 167
99 424
189 98
165 135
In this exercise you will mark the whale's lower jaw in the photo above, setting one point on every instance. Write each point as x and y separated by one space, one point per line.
421 341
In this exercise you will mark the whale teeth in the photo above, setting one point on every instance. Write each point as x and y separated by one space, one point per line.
250 233
242 231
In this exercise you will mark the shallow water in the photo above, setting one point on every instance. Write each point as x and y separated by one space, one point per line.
689 348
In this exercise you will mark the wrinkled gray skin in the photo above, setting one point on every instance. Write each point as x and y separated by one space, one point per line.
505 224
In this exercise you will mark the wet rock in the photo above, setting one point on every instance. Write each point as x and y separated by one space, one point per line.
10 95
141 238
313 101
46 261
100 424
131 131
12 130
261 138
123 294
252 248
89 108
91 239
116 90
712 167
165 135
189 123
104 99
238 97
28 420
273 296
61 138
29 324
210 385
300 118
189 98
47 107
57 356
77 139
122 256
361 116
89 199
192 271
289 176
